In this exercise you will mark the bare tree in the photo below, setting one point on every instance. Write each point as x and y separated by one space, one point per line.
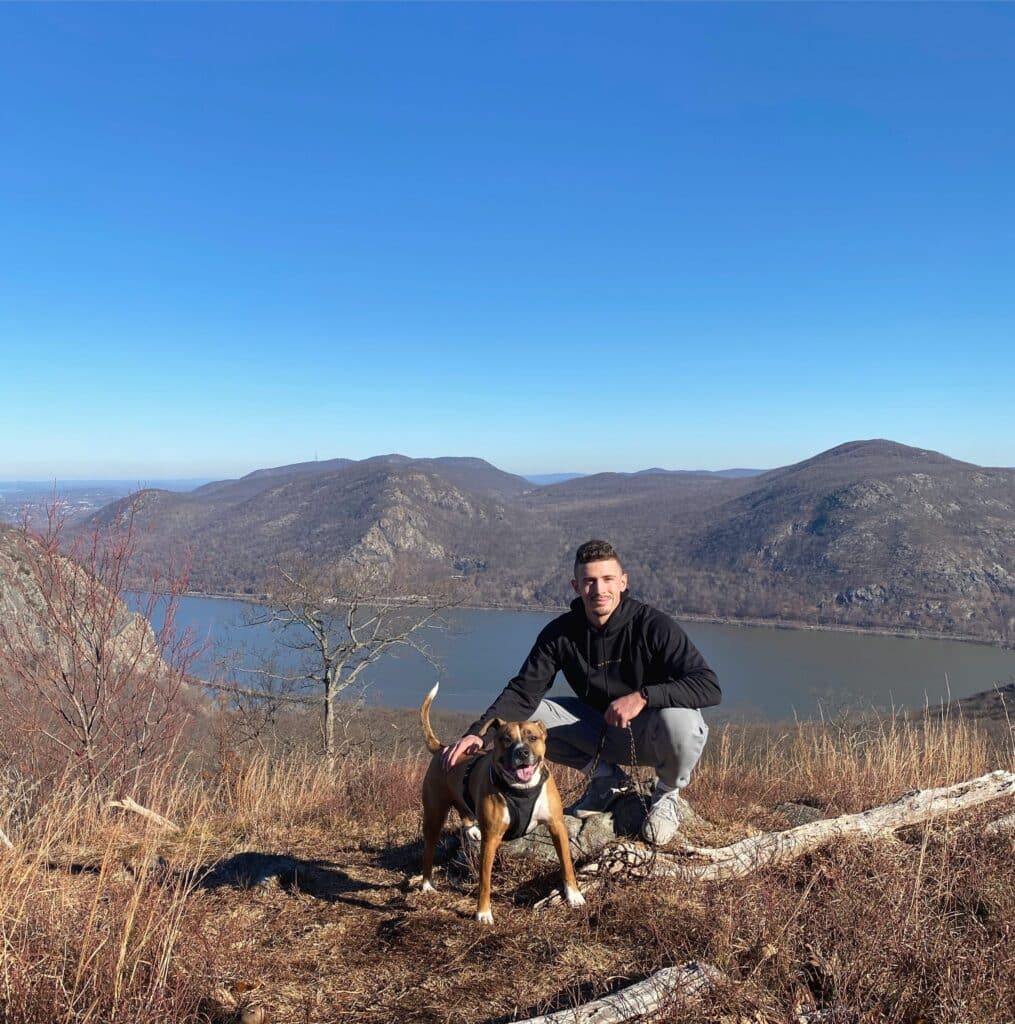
88 680
342 619
258 713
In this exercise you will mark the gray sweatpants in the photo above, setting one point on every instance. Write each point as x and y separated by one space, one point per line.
668 739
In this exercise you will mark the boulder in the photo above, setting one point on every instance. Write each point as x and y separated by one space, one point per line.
799 813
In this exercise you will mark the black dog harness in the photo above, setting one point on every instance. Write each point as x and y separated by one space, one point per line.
520 802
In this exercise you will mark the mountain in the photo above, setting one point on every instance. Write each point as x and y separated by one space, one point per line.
459 513
874 531
868 534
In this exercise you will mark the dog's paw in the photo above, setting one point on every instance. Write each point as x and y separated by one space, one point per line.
484 916
427 887
473 833
574 897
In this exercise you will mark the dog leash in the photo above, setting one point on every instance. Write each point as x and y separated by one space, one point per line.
648 865
642 797
597 757
599 750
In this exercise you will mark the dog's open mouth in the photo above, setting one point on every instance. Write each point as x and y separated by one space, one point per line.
525 773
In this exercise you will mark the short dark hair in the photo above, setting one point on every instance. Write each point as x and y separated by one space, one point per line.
595 551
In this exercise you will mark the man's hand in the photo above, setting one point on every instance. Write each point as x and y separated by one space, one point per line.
625 709
466 745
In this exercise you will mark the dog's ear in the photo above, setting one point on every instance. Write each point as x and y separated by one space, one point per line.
493 723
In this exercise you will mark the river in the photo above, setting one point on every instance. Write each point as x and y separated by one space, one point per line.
765 673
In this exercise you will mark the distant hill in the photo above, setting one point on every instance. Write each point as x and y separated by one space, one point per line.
545 479
867 534
871 532
542 479
707 472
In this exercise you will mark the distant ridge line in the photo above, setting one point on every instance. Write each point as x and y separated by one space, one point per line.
548 479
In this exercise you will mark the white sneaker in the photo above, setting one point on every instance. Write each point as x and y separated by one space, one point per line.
600 793
664 818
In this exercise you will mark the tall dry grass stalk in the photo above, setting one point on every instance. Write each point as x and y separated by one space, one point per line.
92 921
266 795
849 764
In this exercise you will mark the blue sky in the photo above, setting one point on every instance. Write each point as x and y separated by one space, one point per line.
558 237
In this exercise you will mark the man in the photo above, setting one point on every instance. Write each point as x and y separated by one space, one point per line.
632 667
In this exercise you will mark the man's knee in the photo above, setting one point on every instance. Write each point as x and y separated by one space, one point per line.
570 737
678 739
682 726
552 714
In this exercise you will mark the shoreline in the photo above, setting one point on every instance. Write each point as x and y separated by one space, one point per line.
713 620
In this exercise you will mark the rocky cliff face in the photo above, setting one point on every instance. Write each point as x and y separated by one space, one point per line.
15 584
29 610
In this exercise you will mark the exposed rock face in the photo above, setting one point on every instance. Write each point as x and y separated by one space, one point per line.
21 597
868 534
873 594
14 574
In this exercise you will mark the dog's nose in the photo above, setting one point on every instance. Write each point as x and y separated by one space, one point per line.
521 755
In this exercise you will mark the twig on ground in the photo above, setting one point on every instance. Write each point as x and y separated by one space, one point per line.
128 804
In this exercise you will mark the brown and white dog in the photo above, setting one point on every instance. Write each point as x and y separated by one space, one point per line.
501 793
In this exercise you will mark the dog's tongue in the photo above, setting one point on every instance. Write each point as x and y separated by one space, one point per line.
525 774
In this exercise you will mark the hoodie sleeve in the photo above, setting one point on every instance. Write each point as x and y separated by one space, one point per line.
680 676
522 694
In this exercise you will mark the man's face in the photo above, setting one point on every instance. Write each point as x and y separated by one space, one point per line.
599 585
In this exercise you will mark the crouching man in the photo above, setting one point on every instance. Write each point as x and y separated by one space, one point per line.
630 665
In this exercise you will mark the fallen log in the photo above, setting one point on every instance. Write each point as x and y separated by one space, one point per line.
641 999
128 804
772 848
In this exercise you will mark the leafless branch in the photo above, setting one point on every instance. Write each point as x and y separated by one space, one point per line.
342 621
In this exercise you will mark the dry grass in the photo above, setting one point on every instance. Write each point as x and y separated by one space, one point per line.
104 918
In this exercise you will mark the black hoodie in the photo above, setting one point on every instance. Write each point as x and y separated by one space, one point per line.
639 648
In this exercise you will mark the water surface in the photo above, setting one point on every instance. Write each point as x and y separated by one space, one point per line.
766 673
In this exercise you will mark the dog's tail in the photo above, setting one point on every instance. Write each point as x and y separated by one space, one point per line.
433 744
